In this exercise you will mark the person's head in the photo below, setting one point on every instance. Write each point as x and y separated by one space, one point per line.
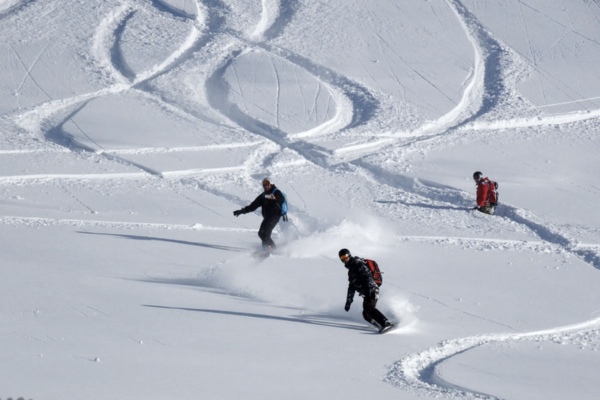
267 184
477 176
345 255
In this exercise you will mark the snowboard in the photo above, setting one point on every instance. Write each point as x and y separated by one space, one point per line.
261 253
387 329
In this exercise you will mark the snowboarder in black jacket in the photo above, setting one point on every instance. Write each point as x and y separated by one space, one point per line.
360 279
271 201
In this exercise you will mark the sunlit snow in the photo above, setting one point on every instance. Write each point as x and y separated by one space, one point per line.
131 130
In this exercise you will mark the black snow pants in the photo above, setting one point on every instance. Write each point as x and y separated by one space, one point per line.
266 228
370 313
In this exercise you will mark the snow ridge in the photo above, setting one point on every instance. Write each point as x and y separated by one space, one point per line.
416 372
269 15
11 6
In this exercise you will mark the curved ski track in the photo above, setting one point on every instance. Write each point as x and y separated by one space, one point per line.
16 6
356 105
417 372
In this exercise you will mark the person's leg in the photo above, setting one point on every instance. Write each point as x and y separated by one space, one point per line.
266 228
372 314
370 319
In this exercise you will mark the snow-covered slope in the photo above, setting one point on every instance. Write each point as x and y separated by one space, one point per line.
131 130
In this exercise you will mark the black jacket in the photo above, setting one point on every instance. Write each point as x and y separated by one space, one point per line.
360 278
270 208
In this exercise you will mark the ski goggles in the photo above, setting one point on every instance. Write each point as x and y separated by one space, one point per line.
344 257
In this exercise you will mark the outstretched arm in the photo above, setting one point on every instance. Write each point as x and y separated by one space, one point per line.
251 207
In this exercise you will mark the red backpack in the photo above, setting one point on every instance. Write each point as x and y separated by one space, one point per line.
492 191
375 271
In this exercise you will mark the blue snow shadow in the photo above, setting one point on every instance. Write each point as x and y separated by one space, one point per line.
313 319
137 237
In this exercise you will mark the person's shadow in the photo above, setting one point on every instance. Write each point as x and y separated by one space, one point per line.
136 237
423 205
312 319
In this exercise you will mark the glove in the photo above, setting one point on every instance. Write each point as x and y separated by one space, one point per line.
237 213
347 306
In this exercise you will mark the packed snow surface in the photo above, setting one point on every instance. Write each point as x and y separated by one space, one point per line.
131 130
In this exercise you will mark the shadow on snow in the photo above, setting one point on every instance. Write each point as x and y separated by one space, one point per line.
185 242
308 319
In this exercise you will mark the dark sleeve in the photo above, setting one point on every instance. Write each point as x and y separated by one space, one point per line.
254 205
350 295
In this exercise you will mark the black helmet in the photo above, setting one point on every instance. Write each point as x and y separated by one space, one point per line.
477 175
344 253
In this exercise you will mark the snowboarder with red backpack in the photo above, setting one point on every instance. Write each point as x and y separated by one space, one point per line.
274 206
487 194
364 277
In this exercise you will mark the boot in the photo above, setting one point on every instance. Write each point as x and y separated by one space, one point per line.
376 324
386 324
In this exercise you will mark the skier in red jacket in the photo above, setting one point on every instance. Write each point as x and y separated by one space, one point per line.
487 197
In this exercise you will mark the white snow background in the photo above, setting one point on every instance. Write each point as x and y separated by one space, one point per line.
130 130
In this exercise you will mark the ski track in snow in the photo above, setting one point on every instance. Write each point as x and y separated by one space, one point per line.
12 6
269 14
167 7
417 372
355 105
482 94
